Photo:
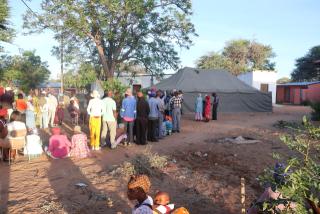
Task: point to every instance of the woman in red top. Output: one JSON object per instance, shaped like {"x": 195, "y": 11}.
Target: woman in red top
{"x": 207, "y": 108}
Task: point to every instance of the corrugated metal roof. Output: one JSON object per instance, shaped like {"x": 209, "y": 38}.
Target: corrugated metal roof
{"x": 299, "y": 83}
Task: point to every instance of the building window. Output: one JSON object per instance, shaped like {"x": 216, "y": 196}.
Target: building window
{"x": 264, "y": 88}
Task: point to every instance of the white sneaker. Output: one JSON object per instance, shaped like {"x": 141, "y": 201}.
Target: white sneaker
{"x": 97, "y": 148}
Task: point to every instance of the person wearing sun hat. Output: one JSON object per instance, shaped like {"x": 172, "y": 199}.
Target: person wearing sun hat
{"x": 95, "y": 111}
{"x": 138, "y": 189}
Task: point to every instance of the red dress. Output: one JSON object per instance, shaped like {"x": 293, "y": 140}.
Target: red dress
{"x": 207, "y": 108}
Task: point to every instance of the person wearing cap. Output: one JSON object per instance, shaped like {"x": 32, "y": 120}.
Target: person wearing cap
{"x": 138, "y": 189}
{"x": 153, "y": 118}
{"x": 109, "y": 122}
{"x": 128, "y": 113}
{"x": 79, "y": 146}
{"x": 95, "y": 111}
{"x": 143, "y": 111}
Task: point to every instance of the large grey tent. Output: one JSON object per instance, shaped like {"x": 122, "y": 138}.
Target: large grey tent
{"x": 235, "y": 96}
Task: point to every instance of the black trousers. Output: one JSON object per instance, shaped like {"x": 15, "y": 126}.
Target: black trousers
{"x": 214, "y": 112}
{"x": 141, "y": 125}
{"x": 152, "y": 129}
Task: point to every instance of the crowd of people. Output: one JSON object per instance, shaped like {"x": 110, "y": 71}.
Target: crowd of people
{"x": 140, "y": 118}
{"x": 144, "y": 119}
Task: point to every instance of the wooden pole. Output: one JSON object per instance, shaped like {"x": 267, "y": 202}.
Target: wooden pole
{"x": 61, "y": 62}
{"x": 243, "y": 196}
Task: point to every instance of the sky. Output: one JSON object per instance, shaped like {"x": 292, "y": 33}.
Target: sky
{"x": 291, "y": 27}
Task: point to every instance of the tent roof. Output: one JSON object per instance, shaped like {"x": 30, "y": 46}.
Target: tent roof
{"x": 200, "y": 80}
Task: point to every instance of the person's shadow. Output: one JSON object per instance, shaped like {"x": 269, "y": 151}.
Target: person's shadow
{"x": 4, "y": 187}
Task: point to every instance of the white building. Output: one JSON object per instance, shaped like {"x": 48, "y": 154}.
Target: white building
{"x": 265, "y": 81}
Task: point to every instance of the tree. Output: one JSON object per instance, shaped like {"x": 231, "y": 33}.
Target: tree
{"x": 239, "y": 56}
{"x": 27, "y": 70}
{"x": 6, "y": 33}
{"x": 308, "y": 66}
{"x": 83, "y": 77}
{"x": 141, "y": 31}
{"x": 214, "y": 60}
{"x": 283, "y": 80}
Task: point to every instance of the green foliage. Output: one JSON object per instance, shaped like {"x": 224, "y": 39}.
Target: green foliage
{"x": 26, "y": 70}
{"x": 283, "y": 80}
{"x": 308, "y": 66}
{"x": 239, "y": 56}
{"x": 116, "y": 87}
{"x": 82, "y": 78}
{"x": 315, "y": 114}
{"x": 301, "y": 176}
{"x": 144, "y": 32}
{"x": 6, "y": 33}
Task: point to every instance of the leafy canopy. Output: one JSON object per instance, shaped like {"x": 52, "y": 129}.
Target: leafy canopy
{"x": 6, "y": 33}
{"x": 308, "y": 66}
{"x": 143, "y": 32}
{"x": 239, "y": 56}
{"x": 26, "y": 70}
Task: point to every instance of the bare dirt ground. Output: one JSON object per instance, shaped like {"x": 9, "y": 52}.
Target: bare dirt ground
{"x": 203, "y": 174}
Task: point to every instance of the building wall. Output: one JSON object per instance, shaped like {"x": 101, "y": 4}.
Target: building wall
{"x": 256, "y": 78}
{"x": 280, "y": 94}
{"x": 312, "y": 94}
{"x": 298, "y": 94}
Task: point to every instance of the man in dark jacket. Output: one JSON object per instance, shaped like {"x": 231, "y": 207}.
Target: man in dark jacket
{"x": 143, "y": 111}
{"x": 215, "y": 103}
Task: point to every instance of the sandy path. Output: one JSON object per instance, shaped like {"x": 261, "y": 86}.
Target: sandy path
{"x": 25, "y": 187}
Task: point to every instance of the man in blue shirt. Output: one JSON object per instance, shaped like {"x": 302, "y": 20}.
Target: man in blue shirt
{"x": 153, "y": 119}
{"x": 128, "y": 113}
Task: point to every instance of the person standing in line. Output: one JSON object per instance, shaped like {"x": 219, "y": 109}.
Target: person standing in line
{"x": 207, "y": 109}
{"x": 161, "y": 114}
{"x": 176, "y": 103}
{"x": 94, "y": 110}
{"x": 30, "y": 116}
{"x": 143, "y": 111}
{"x": 128, "y": 114}
{"x": 52, "y": 104}
{"x": 44, "y": 111}
{"x": 215, "y": 104}
{"x": 109, "y": 119}
{"x": 153, "y": 118}
{"x": 198, "y": 108}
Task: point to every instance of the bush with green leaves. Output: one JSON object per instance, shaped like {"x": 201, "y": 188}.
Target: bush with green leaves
{"x": 315, "y": 115}
{"x": 298, "y": 177}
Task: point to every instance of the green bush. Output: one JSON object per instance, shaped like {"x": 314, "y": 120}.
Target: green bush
{"x": 315, "y": 115}
{"x": 298, "y": 177}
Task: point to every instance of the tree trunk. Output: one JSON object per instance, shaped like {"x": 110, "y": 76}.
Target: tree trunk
{"x": 102, "y": 56}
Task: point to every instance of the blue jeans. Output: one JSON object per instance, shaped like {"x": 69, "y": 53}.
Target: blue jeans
{"x": 176, "y": 117}
{"x": 129, "y": 129}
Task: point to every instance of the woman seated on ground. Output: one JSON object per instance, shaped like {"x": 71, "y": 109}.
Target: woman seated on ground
{"x": 33, "y": 146}
{"x": 79, "y": 144}
{"x": 59, "y": 145}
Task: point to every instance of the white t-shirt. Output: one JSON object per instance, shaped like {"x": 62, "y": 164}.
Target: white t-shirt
{"x": 95, "y": 107}
{"x": 52, "y": 102}
{"x": 14, "y": 126}
{"x": 143, "y": 208}
{"x": 109, "y": 105}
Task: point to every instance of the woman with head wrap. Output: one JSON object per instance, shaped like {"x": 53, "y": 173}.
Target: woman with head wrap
{"x": 138, "y": 189}
{"x": 207, "y": 108}
{"x": 198, "y": 108}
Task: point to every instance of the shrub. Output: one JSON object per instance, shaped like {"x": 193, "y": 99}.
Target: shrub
{"x": 298, "y": 179}
{"x": 315, "y": 115}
